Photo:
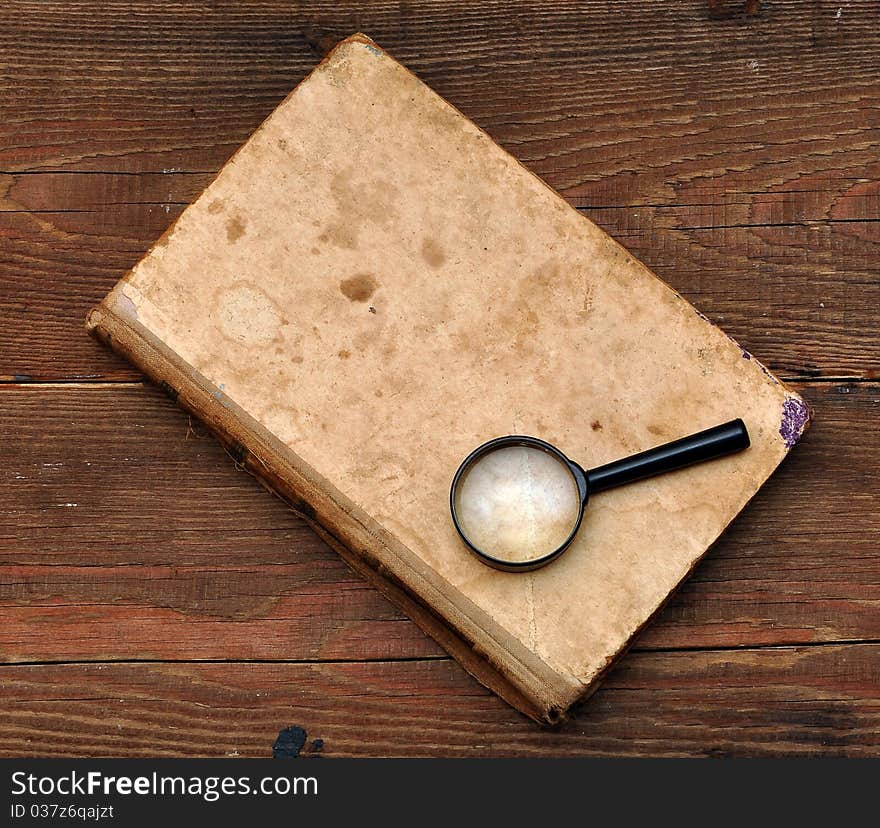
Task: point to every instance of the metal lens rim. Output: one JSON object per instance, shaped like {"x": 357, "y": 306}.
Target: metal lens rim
{"x": 576, "y": 471}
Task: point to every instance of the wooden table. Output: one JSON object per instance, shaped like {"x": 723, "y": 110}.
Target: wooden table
{"x": 154, "y": 600}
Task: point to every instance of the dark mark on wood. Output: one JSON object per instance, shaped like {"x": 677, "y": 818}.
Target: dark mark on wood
{"x": 322, "y": 42}
{"x": 727, "y": 9}
{"x": 289, "y": 743}
{"x": 169, "y": 389}
{"x": 302, "y": 508}
{"x": 238, "y": 453}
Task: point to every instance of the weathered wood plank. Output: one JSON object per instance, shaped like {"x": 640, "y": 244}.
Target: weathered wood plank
{"x": 269, "y": 612}
{"x": 96, "y": 87}
{"x": 127, "y": 532}
{"x": 786, "y": 701}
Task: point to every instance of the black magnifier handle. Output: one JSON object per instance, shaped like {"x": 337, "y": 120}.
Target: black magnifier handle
{"x": 706, "y": 445}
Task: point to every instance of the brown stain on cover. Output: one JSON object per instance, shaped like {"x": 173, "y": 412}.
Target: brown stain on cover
{"x": 433, "y": 253}
{"x": 235, "y": 228}
{"x": 361, "y": 203}
{"x": 359, "y": 288}
{"x": 340, "y": 234}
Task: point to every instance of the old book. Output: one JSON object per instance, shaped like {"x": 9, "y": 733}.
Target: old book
{"x": 369, "y": 289}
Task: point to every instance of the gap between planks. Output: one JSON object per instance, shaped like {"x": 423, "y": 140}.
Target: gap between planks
{"x": 678, "y": 228}
{"x": 841, "y": 642}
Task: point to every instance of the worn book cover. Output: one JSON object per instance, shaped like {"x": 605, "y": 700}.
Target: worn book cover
{"x": 369, "y": 289}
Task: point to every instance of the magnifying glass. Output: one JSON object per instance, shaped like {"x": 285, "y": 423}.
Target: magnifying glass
{"x": 518, "y": 502}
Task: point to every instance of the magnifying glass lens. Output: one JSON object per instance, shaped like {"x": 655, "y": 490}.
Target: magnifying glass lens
{"x": 517, "y": 503}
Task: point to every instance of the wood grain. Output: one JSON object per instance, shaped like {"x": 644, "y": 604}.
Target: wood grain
{"x": 178, "y": 85}
{"x": 786, "y": 701}
{"x": 126, "y": 532}
{"x": 731, "y": 146}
